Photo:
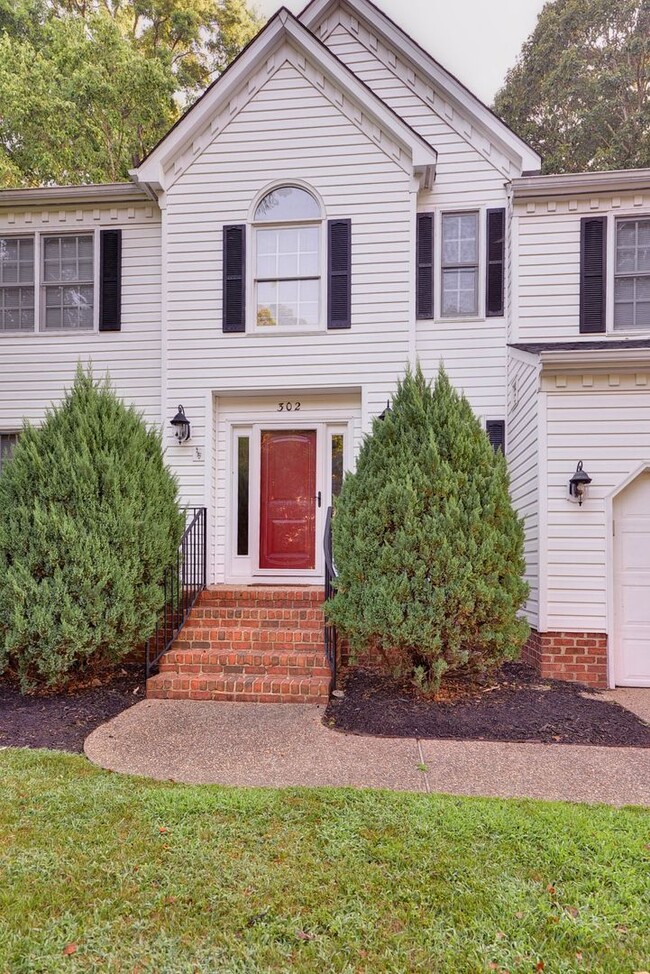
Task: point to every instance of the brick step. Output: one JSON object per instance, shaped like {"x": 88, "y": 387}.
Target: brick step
{"x": 262, "y": 618}
{"x": 278, "y": 597}
{"x": 195, "y": 638}
{"x": 245, "y": 689}
{"x": 299, "y": 664}
{"x": 194, "y": 633}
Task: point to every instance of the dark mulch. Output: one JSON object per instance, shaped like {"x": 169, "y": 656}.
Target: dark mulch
{"x": 516, "y": 705}
{"x": 63, "y": 721}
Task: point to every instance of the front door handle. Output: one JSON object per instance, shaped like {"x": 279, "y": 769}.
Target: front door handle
{"x": 319, "y": 498}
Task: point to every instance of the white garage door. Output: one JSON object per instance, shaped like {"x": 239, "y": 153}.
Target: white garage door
{"x": 632, "y": 584}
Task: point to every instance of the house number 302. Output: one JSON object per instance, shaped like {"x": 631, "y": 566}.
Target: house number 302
{"x": 289, "y": 407}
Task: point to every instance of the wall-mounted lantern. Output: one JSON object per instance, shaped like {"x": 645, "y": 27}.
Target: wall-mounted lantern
{"x": 181, "y": 425}
{"x": 579, "y": 484}
{"x": 387, "y": 411}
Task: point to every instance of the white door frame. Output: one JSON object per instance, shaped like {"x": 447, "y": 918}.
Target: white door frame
{"x": 613, "y": 647}
{"x": 246, "y": 570}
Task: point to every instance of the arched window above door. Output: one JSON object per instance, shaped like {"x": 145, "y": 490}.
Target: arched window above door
{"x": 287, "y": 204}
{"x": 288, "y": 259}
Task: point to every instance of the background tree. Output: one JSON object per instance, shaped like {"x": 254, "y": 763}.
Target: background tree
{"x": 87, "y": 88}
{"x": 89, "y": 522}
{"x": 580, "y": 92}
{"x": 427, "y": 545}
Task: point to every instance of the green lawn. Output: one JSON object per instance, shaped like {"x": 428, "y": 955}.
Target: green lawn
{"x": 145, "y": 877}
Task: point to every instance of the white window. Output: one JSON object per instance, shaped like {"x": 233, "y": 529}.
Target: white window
{"x": 632, "y": 274}
{"x": 48, "y": 282}
{"x": 288, "y": 234}
{"x": 68, "y": 282}
{"x": 7, "y": 443}
{"x": 460, "y": 264}
{"x": 16, "y": 284}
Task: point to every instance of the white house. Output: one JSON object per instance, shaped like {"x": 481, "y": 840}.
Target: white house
{"x": 335, "y": 206}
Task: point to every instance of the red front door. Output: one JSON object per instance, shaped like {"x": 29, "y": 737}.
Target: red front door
{"x": 288, "y": 500}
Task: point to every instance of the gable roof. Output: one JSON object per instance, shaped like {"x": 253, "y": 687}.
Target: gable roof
{"x": 462, "y": 99}
{"x": 283, "y": 27}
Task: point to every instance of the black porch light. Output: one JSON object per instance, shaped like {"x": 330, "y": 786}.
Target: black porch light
{"x": 386, "y": 412}
{"x": 579, "y": 483}
{"x": 181, "y": 425}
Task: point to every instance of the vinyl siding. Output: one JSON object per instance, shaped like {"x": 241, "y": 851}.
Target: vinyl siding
{"x": 523, "y": 464}
{"x": 35, "y": 369}
{"x": 608, "y": 428}
{"x": 548, "y": 287}
{"x": 473, "y": 351}
{"x": 355, "y": 179}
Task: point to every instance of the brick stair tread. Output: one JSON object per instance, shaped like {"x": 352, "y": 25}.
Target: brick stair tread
{"x": 255, "y": 619}
{"x": 246, "y": 688}
{"x": 280, "y": 597}
{"x": 258, "y": 639}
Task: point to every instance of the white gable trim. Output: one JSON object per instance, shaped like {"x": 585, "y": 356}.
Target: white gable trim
{"x": 427, "y": 77}
{"x": 260, "y": 60}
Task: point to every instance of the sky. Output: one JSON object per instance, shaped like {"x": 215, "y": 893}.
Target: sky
{"x": 477, "y": 40}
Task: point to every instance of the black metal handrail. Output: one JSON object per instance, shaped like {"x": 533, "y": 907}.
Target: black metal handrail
{"x": 183, "y": 583}
{"x": 331, "y": 635}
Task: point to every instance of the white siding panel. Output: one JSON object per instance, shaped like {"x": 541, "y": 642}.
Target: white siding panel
{"x": 523, "y": 463}
{"x": 35, "y": 369}
{"x": 548, "y": 287}
{"x": 267, "y": 142}
{"x": 473, "y": 352}
{"x": 610, "y": 431}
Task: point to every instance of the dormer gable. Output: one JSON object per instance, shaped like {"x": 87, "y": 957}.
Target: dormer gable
{"x": 429, "y": 80}
{"x": 284, "y": 39}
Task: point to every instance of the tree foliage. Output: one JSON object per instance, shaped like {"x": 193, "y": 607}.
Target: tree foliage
{"x": 427, "y": 545}
{"x": 89, "y": 522}
{"x": 87, "y": 88}
{"x": 580, "y": 92}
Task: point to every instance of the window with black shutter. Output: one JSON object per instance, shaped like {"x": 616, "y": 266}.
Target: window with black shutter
{"x": 424, "y": 263}
{"x": 496, "y": 258}
{"x": 339, "y": 267}
{"x": 234, "y": 279}
{"x": 110, "y": 284}
{"x": 496, "y": 431}
{"x": 593, "y": 270}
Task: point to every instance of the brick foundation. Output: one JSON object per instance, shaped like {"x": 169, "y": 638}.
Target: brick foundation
{"x": 577, "y": 657}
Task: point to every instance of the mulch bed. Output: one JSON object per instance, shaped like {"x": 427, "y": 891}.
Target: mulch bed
{"x": 62, "y": 722}
{"x": 516, "y": 705}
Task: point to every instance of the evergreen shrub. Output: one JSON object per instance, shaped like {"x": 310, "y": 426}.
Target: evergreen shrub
{"x": 428, "y": 547}
{"x": 89, "y": 522}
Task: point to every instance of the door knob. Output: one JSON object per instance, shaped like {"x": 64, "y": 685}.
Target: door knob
{"x": 319, "y": 498}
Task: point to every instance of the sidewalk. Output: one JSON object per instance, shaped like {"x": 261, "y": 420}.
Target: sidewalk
{"x": 270, "y": 745}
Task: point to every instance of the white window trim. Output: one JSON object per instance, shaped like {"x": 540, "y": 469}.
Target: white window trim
{"x": 251, "y": 285}
{"x": 437, "y": 296}
{"x": 252, "y": 225}
{"x": 39, "y": 284}
{"x": 610, "y": 274}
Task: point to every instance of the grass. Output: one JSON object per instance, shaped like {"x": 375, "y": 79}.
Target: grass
{"x": 146, "y": 877}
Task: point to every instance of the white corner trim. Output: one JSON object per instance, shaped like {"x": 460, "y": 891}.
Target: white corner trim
{"x": 542, "y": 501}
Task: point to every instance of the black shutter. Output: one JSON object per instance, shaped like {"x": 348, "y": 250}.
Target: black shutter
{"x": 110, "y": 280}
{"x": 593, "y": 269}
{"x": 496, "y": 431}
{"x": 339, "y": 274}
{"x": 424, "y": 264}
{"x": 234, "y": 278}
{"x": 496, "y": 262}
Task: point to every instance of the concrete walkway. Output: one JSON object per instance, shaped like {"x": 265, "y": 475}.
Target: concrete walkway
{"x": 270, "y": 745}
